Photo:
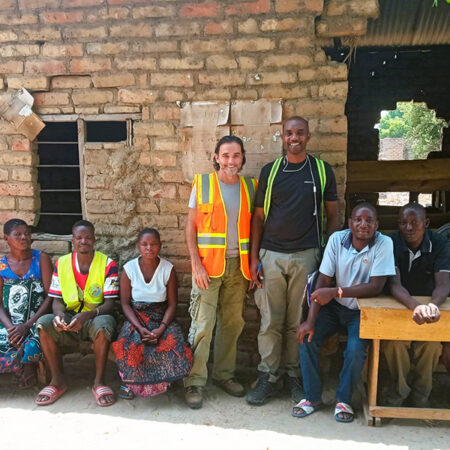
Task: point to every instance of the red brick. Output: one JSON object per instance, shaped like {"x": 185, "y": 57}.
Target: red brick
{"x": 80, "y": 3}
{"x": 172, "y": 79}
{"x": 137, "y": 96}
{"x": 143, "y": 29}
{"x": 153, "y": 11}
{"x": 34, "y": 83}
{"x": 11, "y": 67}
{"x": 8, "y": 36}
{"x": 7, "y": 4}
{"x": 21, "y": 145}
{"x": 41, "y": 34}
{"x": 84, "y": 32}
{"x": 51, "y": 98}
{"x": 21, "y": 189}
{"x": 166, "y": 113}
{"x": 35, "y": 4}
{"x": 12, "y": 50}
{"x": 24, "y": 19}
{"x": 284, "y": 6}
{"x": 71, "y": 82}
{"x": 119, "y": 2}
{"x": 113, "y": 80}
{"x": 200, "y": 10}
{"x": 58, "y": 51}
{"x": 87, "y": 65}
{"x": 218, "y": 28}
{"x": 62, "y": 17}
{"x": 51, "y": 67}
{"x": 91, "y": 97}
{"x": 258, "y": 7}
{"x": 106, "y": 48}
{"x": 135, "y": 63}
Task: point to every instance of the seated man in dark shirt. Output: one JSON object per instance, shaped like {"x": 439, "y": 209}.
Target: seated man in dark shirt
{"x": 422, "y": 259}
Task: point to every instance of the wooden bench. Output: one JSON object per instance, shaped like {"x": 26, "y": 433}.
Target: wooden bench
{"x": 384, "y": 318}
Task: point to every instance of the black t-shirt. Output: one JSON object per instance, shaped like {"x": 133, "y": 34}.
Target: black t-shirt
{"x": 434, "y": 257}
{"x": 291, "y": 225}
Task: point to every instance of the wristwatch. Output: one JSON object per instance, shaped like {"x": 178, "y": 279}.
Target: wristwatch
{"x": 340, "y": 292}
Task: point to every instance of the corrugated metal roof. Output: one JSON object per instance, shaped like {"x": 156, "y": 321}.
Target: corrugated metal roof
{"x": 408, "y": 22}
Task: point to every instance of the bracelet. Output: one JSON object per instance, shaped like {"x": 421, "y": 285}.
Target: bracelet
{"x": 163, "y": 323}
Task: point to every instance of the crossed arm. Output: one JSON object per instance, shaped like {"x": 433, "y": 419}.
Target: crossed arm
{"x": 422, "y": 313}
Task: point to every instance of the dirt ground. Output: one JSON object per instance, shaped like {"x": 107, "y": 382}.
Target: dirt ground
{"x": 224, "y": 422}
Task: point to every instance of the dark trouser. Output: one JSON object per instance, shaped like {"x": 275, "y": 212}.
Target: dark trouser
{"x": 330, "y": 318}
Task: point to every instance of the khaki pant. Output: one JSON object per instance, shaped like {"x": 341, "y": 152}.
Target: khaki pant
{"x": 415, "y": 360}
{"x": 279, "y": 302}
{"x": 220, "y": 305}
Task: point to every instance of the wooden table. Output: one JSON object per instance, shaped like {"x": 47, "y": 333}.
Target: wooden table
{"x": 384, "y": 318}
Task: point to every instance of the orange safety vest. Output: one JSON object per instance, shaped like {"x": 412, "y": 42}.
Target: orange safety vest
{"x": 211, "y": 222}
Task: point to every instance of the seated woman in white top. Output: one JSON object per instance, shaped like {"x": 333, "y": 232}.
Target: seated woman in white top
{"x": 151, "y": 350}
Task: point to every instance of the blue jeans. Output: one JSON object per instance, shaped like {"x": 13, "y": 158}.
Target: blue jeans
{"x": 330, "y": 318}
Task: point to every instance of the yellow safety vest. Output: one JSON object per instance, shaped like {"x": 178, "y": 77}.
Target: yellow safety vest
{"x": 93, "y": 292}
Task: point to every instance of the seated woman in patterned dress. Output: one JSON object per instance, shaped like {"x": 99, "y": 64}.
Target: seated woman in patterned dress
{"x": 25, "y": 276}
{"x": 151, "y": 351}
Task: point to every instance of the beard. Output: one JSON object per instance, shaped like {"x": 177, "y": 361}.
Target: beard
{"x": 230, "y": 171}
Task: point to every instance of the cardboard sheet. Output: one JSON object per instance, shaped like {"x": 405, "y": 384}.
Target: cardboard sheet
{"x": 16, "y": 108}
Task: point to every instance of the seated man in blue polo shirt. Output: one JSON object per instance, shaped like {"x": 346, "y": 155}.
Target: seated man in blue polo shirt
{"x": 359, "y": 259}
{"x": 422, "y": 260}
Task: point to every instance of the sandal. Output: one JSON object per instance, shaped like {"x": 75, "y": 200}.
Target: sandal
{"x": 101, "y": 391}
{"x": 125, "y": 392}
{"x": 28, "y": 382}
{"x": 52, "y": 392}
{"x": 304, "y": 408}
{"x": 342, "y": 407}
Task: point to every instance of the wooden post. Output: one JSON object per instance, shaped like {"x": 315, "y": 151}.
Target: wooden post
{"x": 373, "y": 372}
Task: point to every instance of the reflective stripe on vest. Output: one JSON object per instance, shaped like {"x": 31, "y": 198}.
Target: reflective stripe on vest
{"x": 323, "y": 181}
{"x": 93, "y": 291}
{"x": 212, "y": 220}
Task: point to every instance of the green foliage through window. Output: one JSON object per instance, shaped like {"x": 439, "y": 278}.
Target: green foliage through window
{"x": 417, "y": 124}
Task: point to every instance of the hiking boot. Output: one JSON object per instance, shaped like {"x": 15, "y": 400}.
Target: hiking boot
{"x": 231, "y": 387}
{"x": 194, "y": 396}
{"x": 263, "y": 390}
{"x": 295, "y": 388}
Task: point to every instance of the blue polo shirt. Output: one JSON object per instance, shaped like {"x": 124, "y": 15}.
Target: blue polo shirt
{"x": 350, "y": 266}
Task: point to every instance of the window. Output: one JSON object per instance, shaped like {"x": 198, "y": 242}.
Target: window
{"x": 60, "y": 178}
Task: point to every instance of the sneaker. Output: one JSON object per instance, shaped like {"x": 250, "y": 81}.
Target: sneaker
{"x": 295, "y": 388}
{"x": 231, "y": 387}
{"x": 262, "y": 391}
{"x": 194, "y": 396}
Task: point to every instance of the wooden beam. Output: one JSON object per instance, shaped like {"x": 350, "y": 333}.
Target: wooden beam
{"x": 89, "y": 117}
{"x": 391, "y": 176}
{"x": 410, "y": 413}
{"x": 81, "y": 126}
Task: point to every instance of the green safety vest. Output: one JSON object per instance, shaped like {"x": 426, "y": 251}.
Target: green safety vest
{"x": 272, "y": 174}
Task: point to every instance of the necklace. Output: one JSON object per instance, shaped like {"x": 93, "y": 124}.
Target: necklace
{"x": 286, "y": 162}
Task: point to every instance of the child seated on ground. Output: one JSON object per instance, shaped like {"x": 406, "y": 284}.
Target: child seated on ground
{"x": 151, "y": 351}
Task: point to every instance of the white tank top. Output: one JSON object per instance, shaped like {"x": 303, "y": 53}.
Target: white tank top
{"x": 156, "y": 290}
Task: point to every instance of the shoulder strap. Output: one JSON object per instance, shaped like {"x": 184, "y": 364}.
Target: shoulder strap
{"x": 323, "y": 181}
{"x": 268, "y": 196}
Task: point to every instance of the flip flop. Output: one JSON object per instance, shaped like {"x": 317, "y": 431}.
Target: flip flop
{"x": 100, "y": 392}
{"x": 342, "y": 407}
{"x": 304, "y": 408}
{"x": 52, "y": 392}
{"x": 125, "y": 392}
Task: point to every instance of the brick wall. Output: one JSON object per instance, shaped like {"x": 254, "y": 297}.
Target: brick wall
{"x": 121, "y": 56}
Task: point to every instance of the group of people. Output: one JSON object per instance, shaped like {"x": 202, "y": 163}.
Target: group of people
{"x": 279, "y": 236}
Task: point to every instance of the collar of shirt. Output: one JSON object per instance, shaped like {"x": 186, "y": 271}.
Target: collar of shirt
{"x": 347, "y": 242}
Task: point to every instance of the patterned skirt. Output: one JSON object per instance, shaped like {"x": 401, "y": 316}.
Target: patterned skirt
{"x": 21, "y": 298}
{"x": 148, "y": 369}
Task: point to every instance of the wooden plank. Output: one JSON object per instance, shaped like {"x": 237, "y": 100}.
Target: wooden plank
{"x": 388, "y": 302}
{"x": 390, "y": 176}
{"x": 410, "y": 413}
{"x": 396, "y": 324}
{"x": 373, "y": 372}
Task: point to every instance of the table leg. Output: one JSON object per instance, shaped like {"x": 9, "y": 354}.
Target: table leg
{"x": 373, "y": 372}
